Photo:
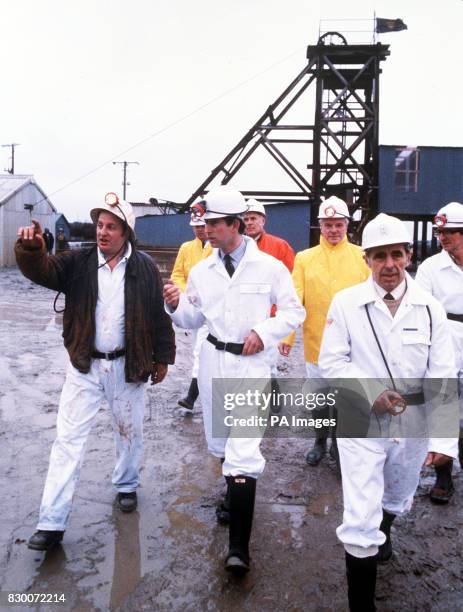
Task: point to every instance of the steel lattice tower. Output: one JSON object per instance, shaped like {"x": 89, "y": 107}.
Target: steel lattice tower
{"x": 340, "y": 146}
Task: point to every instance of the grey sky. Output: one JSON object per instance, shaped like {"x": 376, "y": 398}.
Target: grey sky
{"x": 84, "y": 81}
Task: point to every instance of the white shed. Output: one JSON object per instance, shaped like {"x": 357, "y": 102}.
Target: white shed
{"x": 21, "y": 199}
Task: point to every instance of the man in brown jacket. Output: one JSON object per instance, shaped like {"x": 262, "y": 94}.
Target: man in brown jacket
{"x": 117, "y": 334}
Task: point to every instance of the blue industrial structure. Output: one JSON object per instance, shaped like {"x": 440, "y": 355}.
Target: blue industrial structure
{"x": 289, "y": 221}
{"x": 413, "y": 184}
{"x": 418, "y": 181}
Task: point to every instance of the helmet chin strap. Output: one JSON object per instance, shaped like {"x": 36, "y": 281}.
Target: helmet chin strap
{"x": 124, "y": 246}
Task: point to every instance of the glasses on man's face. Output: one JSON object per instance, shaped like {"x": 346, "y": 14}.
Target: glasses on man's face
{"x": 441, "y": 232}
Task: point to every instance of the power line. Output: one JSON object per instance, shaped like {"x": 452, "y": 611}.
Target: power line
{"x": 173, "y": 123}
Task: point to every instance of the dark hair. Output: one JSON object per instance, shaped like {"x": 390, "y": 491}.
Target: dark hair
{"x": 230, "y": 219}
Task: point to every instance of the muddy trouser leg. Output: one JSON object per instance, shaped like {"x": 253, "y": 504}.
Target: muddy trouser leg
{"x": 362, "y": 462}
{"x": 401, "y": 477}
{"x": 193, "y": 391}
{"x": 127, "y": 404}
{"x": 80, "y": 401}
{"x": 198, "y": 336}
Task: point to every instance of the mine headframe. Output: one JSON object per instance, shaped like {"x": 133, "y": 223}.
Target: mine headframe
{"x": 338, "y": 153}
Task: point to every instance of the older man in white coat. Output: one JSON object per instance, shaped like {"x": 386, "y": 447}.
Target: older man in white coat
{"x": 232, "y": 292}
{"x": 442, "y": 276}
{"x": 387, "y": 333}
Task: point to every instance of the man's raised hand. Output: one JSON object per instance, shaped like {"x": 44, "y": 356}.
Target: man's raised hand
{"x": 31, "y": 235}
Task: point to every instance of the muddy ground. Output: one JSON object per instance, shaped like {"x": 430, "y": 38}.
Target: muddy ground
{"x": 169, "y": 554}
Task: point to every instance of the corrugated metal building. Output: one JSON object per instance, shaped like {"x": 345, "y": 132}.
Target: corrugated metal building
{"x": 17, "y": 194}
{"x": 419, "y": 180}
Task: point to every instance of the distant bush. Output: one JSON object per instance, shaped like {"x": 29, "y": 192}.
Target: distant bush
{"x": 82, "y": 231}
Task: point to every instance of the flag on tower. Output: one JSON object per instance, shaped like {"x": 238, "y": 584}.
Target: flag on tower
{"x": 389, "y": 25}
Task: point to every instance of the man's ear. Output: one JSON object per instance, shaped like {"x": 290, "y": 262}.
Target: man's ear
{"x": 409, "y": 255}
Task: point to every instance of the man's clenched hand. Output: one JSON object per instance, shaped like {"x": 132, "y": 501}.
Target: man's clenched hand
{"x": 31, "y": 235}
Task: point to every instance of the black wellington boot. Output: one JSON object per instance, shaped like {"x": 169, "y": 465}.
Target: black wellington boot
{"x": 361, "y": 583}
{"x": 316, "y": 454}
{"x": 188, "y": 402}
{"x": 442, "y": 490}
{"x": 222, "y": 512}
{"x": 275, "y": 390}
{"x": 385, "y": 550}
{"x": 242, "y": 494}
{"x": 334, "y": 452}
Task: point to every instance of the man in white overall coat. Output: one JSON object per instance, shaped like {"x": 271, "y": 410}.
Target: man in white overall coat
{"x": 232, "y": 291}
{"x": 442, "y": 276}
{"x": 385, "y": 328}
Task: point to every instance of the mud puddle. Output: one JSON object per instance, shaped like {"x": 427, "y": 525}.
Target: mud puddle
{"x": 169, "y": 554}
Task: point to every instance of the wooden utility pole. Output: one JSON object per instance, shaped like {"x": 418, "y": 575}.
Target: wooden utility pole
{"x": 12, "y": 146}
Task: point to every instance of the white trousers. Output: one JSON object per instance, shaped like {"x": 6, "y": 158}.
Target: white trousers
{"x": 377, "y": 473}
{"x": 242, "y": 456}
{"x": 80, "y": 401}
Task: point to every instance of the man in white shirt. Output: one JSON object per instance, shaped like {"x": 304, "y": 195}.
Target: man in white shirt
{"x": 117, "y": 335}
{"x": 442, "y": 276}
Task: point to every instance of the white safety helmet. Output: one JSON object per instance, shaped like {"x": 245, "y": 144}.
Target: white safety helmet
{"x": 384, "y": 230}
{"x": 450, "y": 215}
{"x": 333, "y": 208}
{"x": 224, "y": 201}
{"x": 220, "y": 202}
{"x": 119, "y": 208}
{"x": 255, "y": 206}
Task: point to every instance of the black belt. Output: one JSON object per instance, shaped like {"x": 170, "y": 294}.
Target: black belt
{"x": 455, "y": 317}
{"x": 108, "y": 356}
{"x": 413, "y": 399}
{"x": 230, "y": 347}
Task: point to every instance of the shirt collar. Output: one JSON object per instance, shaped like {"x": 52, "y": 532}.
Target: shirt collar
{"x": 397, "y": 293}
{"x": 236, "y": 254}
{"x": 446, "y": 260}
{"x": 366, "y": 292}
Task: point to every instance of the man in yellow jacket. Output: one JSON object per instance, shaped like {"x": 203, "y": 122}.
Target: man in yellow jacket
{"x": 318, "y": 274}
{"x": 189, "y": 254}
